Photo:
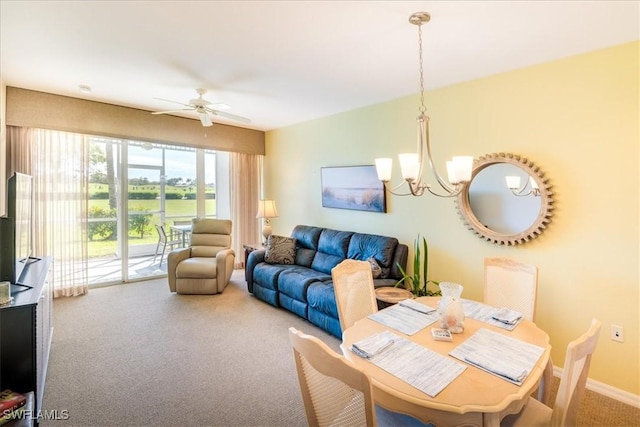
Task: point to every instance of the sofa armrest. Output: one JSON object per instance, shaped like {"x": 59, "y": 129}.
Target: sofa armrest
{"x": 173, "y": 259}
{"x": 255, "y": 258}
{"x": 225, "y": 260}
{"x": 399, "y": 257}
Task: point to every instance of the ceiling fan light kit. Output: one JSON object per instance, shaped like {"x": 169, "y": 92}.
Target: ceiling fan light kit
{"x": 204, "y": 109}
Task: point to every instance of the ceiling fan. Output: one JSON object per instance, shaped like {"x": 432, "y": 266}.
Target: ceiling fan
{"x": 204, "y": 109}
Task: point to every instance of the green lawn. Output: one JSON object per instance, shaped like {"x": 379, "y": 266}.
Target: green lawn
{"x": 174, "y": 210}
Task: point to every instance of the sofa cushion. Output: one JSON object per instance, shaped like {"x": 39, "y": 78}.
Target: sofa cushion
{"x": 307, "y": 243}
{"x": 321, "y": 296}
{"x": 209, "y": 236}
{"x": 294, "y": 282}
{"x": 364, "y": 246}
{"x": 266, "y": 275}
{"x": 197, "y": 268}
{"x": 280, "y": 250}
{"x": 334, "y": 242}
{"x": 332, "y": 249}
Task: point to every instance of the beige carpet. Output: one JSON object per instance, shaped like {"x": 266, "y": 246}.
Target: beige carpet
{"x": 137, "y": 355}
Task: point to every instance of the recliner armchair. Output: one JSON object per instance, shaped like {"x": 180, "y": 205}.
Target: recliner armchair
{"x": 205, "y": 266}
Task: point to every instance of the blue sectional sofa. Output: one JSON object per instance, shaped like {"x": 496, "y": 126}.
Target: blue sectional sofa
{"x": 305, "y": 287}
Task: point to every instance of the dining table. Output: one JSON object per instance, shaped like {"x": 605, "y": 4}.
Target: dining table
{"x": 183, "y": 231}
{"x": 474, "y": 396}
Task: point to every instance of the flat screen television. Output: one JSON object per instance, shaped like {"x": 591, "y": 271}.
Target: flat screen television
{"x": 16, "y": 228}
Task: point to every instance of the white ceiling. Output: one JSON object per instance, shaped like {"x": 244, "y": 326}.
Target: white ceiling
{"x": 284, "y": 62}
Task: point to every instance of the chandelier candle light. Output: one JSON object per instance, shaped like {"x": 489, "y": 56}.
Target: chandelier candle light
{"x": 411, "y": 164}
{"x": 513, "y": 183}
{"x": 267, "y": 210}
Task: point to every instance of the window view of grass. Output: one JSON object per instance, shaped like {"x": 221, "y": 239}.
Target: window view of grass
{"x": 102, "y": 228}
{"x": 143, "y": 195}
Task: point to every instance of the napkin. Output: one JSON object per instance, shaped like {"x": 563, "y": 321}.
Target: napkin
{"x": 372, "y": 345}
{"x": 409, "y": 303}
{"x": 492, "y": 362}
{"x": 507, "y": 316}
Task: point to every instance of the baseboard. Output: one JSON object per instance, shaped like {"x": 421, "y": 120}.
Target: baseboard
{"x": 607, "y": 390}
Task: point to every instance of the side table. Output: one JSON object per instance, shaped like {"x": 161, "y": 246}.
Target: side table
{"x": 388, "y": 296}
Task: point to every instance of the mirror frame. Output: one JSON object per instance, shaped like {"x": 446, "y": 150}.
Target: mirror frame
{"x": 546, "y": 199}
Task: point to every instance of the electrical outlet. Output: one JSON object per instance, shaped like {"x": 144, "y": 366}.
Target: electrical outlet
{"x": 617, "y": 333}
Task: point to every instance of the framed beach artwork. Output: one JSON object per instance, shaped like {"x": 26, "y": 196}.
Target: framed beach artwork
{"x": 353, "y": 187}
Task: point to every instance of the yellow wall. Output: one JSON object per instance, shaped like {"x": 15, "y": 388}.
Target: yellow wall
{"x": 577, "y": 119}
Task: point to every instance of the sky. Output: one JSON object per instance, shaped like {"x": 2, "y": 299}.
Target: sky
{"x": 178, "y": 163}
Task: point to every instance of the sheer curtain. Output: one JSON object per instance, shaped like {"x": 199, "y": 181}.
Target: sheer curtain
{"x": 245, "y": 171}
{"x": 58, "y": 162}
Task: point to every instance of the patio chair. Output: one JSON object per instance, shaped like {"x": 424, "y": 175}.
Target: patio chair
{"x": 163, "y": 242}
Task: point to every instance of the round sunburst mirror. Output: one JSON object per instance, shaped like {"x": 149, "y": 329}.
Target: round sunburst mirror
{"x": 502, "y": 215}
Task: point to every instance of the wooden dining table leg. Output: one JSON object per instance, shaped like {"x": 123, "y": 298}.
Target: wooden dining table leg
{"x": 544, "y": 388}
{"x": 491, "y": 419}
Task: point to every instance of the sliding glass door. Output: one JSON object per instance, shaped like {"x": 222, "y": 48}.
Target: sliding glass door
{"x": 144, "y": 210}
{"x": 138, "y": 191}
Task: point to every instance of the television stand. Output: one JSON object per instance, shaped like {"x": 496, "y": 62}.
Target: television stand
{"x": 26, "y": 326}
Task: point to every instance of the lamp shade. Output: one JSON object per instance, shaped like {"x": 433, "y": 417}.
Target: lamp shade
{"x": 383, "y": 168}
{"x": 267, "y": 209}
{"x": 513, "y": 182}
{"x": 409, "y": 166}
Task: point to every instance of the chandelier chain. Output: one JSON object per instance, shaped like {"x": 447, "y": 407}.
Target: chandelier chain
{"x": 422, "y": 108}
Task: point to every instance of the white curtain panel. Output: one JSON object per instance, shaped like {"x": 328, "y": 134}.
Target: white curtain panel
{"x": 58, "y": 162}
{"x": 245, "y": 175}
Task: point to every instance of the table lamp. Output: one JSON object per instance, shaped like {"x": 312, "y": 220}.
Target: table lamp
{"x": 267, "y": 210}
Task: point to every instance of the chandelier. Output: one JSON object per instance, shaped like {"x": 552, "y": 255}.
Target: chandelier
{"x": 412, "y": 164}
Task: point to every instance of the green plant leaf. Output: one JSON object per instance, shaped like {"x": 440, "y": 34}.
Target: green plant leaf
{"x": 425, "y": 264}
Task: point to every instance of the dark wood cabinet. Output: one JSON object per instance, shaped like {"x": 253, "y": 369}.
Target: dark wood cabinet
{"x": 26, "y": 326}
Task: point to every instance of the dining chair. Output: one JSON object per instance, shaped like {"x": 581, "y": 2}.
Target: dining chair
{"x": 511, "y": 284}
{"x": 163, "y": 242}
{"x": 354, "y": 291}
{"x": 514, "y": 284}
{"x": 570, "y": 391}
{"x": 334, "y": 391}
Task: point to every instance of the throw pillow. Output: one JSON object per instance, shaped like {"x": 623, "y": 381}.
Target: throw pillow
{"x": 280, "y": 250}
{"x": 376, "y": 270}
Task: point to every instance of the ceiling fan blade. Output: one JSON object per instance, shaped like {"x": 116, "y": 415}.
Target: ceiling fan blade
{"x": 230, "y": 116}
{"x": 205, "y": 119}
{"x": 172, "y": 111}
{"x": 218, "y": 107}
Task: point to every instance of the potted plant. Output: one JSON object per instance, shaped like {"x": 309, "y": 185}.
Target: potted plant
{"x": 418, "y": 282}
